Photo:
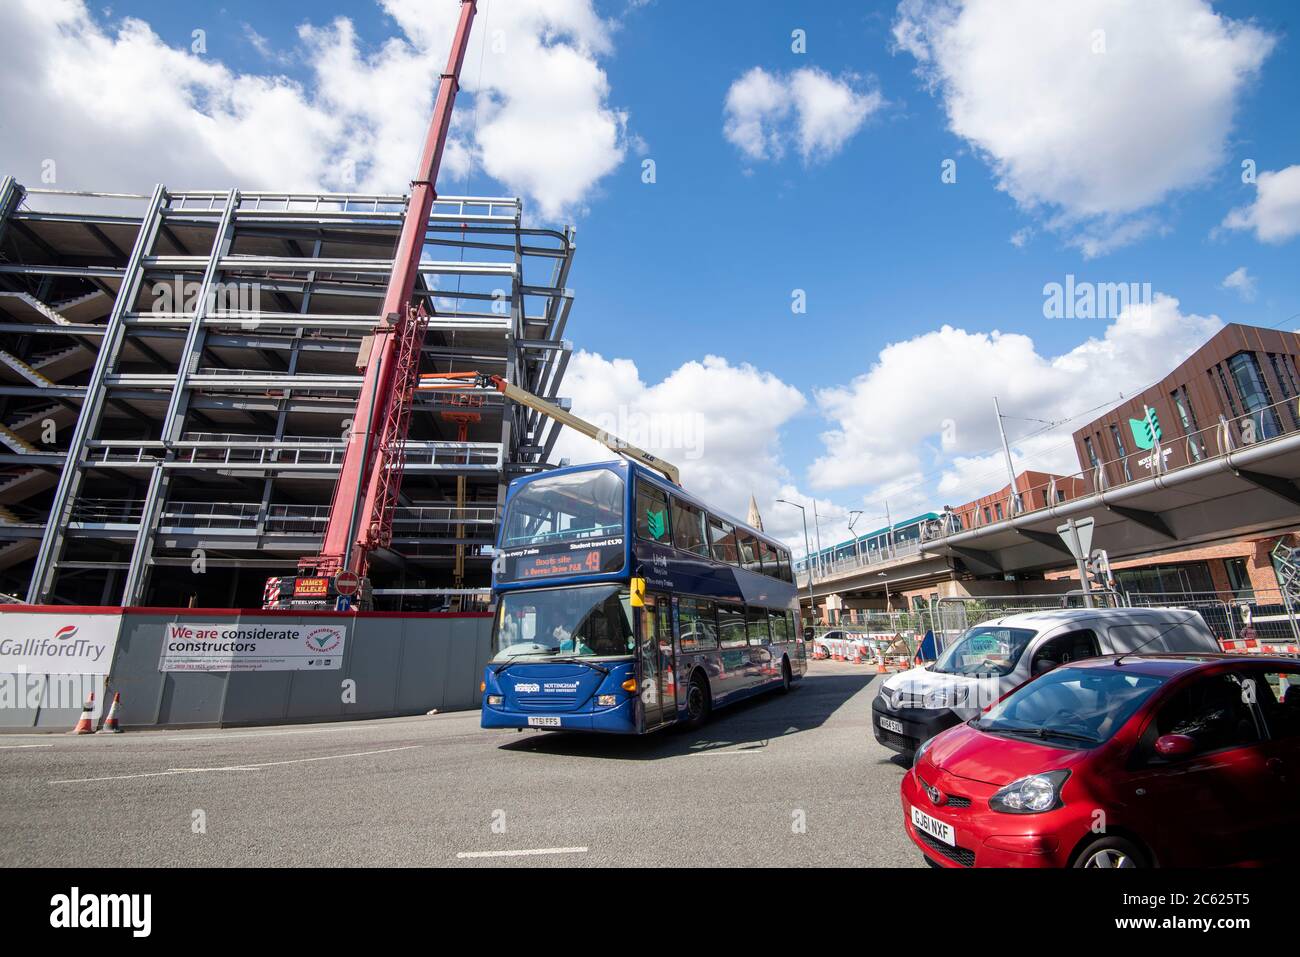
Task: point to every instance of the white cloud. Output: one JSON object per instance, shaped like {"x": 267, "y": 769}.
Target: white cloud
{"x": 1241, "y": 282}
{"x": 118, "y": 109}
{"x": 889, "y": 424}
{"x": 1275, "y": 214}
{"x": 718, "y": 422}
{"x": 765, "y": 113}
{"x": 1093, "y": 111}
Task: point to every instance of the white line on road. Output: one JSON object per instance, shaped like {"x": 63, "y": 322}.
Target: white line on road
{"x": 227, "y": 735}
{"x": 15, "y": 747}
{"x": 234, "y": 767}
{"x": 524, "y": 853}
{"x": 709, "y": 754}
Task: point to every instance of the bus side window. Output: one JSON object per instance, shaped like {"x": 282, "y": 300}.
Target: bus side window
{"x": 783, "y": 557}
{"x": 758, "y": 633}
{"x": 722, "y": 538}
{"x": 768, "y": 554}
{"x": 779, "y": 634}
{"x": 688, "y": 529}
{"x": 652, "y": 514}
{"x": 687, "y": 625}
{"x": 707, "y": 624}
{"x": 749, "y": 554}
{"x": 731, "y": 626}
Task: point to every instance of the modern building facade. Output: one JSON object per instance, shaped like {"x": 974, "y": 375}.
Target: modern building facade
{"x": 178, "y": 372}
{"x": 1242, "y": 386}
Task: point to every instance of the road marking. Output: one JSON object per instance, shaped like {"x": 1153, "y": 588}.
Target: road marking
{"x": 233, "y": 767}
{"x": 524, "y": 853}
{"x": 707, "y": 754}
{"x": 14, "y": 747}
{"x": 256, "y": 734}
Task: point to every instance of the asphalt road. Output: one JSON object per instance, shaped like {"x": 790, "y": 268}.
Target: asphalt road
{"x": 782, "y": 780}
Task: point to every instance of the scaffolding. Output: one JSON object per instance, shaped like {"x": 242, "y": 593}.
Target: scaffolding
{"x": 178, "y": 373}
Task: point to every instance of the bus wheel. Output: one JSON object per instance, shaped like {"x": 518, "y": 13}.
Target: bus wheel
{"x": 698, "y": 701}
{"x": 786, "y": 678}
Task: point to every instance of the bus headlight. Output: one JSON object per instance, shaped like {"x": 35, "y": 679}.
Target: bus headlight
{"x": 606, "y": 700}
{"x": 494, "y": 699}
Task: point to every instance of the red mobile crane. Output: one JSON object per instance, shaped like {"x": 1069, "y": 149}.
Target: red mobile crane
{"x": 361, "y": 513}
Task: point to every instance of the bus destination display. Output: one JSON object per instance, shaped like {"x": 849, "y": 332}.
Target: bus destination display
{"x": 586, "y": 559}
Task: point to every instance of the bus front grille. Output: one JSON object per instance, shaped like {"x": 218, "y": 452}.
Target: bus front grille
{"x": 546, "y": 702}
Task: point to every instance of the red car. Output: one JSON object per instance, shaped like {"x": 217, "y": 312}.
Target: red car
{"x": 1122, "y": 761}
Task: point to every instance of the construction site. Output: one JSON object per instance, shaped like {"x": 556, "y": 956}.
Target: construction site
{"x": 195, "y": 382}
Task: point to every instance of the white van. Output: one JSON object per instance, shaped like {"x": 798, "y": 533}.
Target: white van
{"x": 991, "y": 658}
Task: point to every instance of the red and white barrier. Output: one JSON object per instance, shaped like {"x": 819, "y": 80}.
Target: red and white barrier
{"x": 1253, "y": 646}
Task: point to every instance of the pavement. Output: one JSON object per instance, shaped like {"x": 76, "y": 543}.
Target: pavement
{"x": 789, "y": 780}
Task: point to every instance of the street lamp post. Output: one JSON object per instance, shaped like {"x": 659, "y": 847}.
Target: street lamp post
{"x": 807, "y": 551}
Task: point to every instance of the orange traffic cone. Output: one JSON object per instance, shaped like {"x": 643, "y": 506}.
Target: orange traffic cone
{"x": 110, "y": 723}
{"x": 86, "y": 725}
{"x": 880, "y": 666}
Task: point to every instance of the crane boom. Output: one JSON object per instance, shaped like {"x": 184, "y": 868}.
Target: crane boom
{"x": 360, "y": 517}
{"x": 479, "y": 380}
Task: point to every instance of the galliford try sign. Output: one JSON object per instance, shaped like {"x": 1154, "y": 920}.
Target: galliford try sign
{"x": 58, "y": 644}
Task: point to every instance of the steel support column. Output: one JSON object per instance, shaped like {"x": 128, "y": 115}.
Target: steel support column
{"x": 177, "y": 404}
{"x": 65, "y": 493}
{"x": 11, "y": 194}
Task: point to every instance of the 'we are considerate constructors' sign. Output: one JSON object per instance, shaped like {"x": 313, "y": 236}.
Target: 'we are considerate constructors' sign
{"x": 263, "y": 646}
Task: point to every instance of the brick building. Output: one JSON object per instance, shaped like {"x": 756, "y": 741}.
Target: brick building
{"x": 1033, "y": 490}
{"x": 1240, "y": 387}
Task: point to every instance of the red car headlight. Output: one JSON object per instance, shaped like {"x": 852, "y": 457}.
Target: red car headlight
{"x": 1032, "y": 794}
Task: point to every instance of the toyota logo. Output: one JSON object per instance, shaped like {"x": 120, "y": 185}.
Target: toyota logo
{"x": 937, "y": 797}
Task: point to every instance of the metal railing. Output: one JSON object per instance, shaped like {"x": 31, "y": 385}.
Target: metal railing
{"x": 1203, "y": 445}
{"x": 218, "y": 449}
{"x": 413, "y": 521}
{"x": 1166, "y": 456}
{"x": 867, "y": 559}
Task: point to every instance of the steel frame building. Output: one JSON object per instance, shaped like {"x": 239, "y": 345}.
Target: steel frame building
{"x": 178, "y": 372}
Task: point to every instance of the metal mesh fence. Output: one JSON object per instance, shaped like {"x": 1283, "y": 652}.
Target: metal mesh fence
{"x": 1258, "y": 614}
{"x": 949, "y": 617}
{"x": 1261, "y": 614}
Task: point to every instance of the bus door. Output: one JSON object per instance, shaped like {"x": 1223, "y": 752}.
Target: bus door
{"x": 657, "y": 661}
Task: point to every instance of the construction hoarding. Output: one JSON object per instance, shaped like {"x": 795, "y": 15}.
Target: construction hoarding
{"x": 178, "y": 667}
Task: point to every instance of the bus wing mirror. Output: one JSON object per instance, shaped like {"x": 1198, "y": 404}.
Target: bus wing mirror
{"x": 638, "y": 592}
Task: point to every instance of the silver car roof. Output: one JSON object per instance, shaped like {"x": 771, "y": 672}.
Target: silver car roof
{"x": 1051, "y": 617}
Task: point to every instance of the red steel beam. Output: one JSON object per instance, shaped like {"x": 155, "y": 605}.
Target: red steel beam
{"x": 348, "y": 535}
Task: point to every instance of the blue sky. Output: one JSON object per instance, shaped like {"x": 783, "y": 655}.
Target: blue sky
{"x": 705, "y": 260}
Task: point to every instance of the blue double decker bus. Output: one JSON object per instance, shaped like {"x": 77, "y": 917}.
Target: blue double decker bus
{"x": 626, "y": 605}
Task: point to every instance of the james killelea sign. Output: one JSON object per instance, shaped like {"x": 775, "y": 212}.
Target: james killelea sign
{"x": 266, "y": 646}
